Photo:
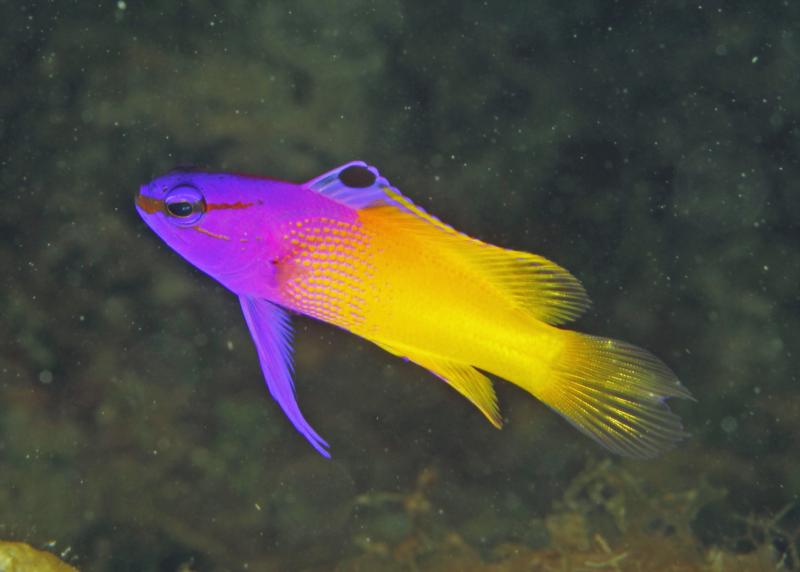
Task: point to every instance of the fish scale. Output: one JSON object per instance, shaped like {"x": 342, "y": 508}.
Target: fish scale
{"x": 326, "y": 261}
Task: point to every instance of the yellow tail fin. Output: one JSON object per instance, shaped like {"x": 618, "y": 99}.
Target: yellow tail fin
{"x": 615, "y": 393}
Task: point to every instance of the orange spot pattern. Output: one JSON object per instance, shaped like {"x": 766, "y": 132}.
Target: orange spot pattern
{"x": 329, "y": 267}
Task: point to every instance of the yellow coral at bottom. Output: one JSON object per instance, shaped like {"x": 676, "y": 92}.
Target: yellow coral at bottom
{"x": 21, "y": 557}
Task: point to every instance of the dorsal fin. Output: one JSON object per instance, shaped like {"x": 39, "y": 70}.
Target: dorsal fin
{"x": 359, "y": 186}
{"x": 546, "y": 290}
{"x": 531, "y": 282}
{"x": 353, "y": 184}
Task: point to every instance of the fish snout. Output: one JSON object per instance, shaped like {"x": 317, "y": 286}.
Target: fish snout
{"x": 146, "y": 204}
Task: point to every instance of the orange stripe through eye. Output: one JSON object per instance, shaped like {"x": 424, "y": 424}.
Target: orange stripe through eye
{"x": 236, "y": 205}
{"x": 148, "y": 204}
{"x": 151, "y": 205}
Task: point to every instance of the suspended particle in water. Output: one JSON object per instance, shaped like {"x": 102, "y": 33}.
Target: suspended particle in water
{"x": 729, "y": 425}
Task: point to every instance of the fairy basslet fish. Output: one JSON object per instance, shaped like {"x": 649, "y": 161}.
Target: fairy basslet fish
{"x": 349, "y": 249}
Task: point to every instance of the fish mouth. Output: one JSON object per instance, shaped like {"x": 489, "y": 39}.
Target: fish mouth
{"x": 147, "y": 204}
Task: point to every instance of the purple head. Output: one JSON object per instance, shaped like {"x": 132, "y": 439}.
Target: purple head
{"x": 223, "y": 224}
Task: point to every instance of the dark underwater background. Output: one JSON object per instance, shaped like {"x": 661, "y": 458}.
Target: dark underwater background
{"x": 649, "y": 147}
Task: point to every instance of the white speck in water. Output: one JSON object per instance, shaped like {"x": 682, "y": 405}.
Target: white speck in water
{"x": 229, "y": 345}
{"x": 729, "y": 425}
{"x": 121, "y": 5}
{"x": 46, "y": 376}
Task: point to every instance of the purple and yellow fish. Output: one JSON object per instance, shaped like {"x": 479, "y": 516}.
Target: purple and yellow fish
{"x": 348, "y": 249}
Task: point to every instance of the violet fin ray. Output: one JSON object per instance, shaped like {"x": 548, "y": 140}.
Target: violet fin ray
{"x": 271, "y": 330}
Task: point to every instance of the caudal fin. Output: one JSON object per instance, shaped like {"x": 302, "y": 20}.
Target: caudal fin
{"x": 615, "y": 393}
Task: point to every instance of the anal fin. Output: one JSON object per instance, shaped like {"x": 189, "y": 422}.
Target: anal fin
{"x": 465, "y": 379}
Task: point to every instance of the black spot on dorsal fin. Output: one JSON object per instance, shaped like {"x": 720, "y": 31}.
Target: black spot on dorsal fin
{"x": 357, "y": 177}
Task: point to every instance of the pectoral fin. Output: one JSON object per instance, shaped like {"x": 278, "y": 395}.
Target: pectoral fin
{"x": 272, "y": 333}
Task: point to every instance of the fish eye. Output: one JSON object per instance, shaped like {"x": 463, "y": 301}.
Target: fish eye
{"x": 181, "y": 209}
{"x": 185, "y": 205}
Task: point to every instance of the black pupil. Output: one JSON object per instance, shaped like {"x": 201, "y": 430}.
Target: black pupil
{"x": 181, "y": 209}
